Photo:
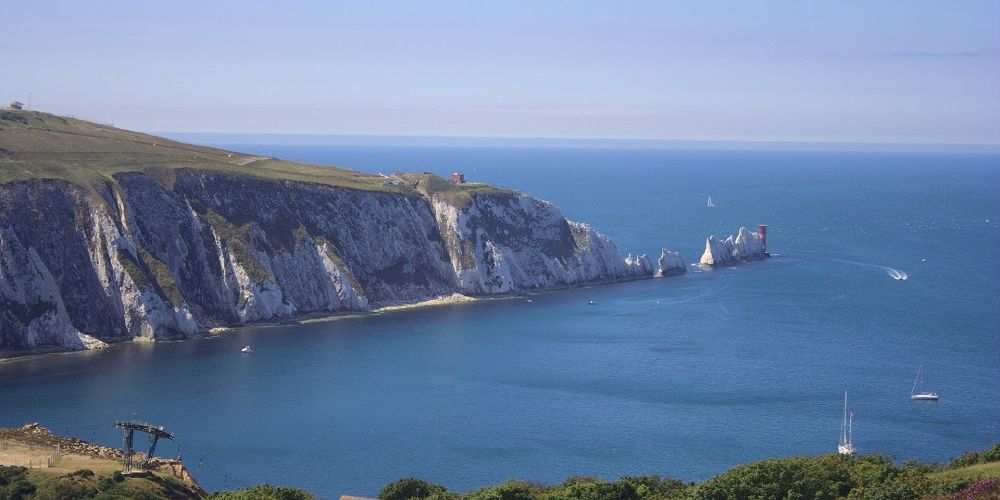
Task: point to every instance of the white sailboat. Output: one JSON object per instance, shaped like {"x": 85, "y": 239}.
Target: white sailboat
{"x": 247, "y": 349}
{"x": 921, "y": 396}
{"x": 709, "y": 203}
{"x": 846, "y": 446}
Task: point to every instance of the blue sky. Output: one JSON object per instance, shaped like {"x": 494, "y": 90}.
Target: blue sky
{"x": 845, "y": 71}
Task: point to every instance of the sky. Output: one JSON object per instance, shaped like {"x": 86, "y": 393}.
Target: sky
{"x": 923, "y": 72}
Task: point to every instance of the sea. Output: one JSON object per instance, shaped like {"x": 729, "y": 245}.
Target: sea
{"x": 883, "y": 264}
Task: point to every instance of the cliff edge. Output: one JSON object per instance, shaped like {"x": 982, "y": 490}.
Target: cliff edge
{"x": 109, "y": 235}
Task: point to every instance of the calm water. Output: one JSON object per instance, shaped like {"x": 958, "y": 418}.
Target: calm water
{"x": 684, "y": 376}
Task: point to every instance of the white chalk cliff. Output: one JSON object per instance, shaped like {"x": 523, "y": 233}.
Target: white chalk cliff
{"x": 144, "y": 260}
{"x": 741, "y": 247}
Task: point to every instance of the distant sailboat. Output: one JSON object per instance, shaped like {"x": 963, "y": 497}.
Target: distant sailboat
{"x": 921, "y": 396}
{"x": 247, "y": 349}
{"x": 846, "y": 446}
{"x": 709, "y": 203}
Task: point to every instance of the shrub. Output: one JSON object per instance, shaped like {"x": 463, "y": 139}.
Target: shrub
{"x": 405, "y": 489}
{"x": 977, "y": 457}
{"x": 511, "y": 490}
{"x": 264, "y": 492}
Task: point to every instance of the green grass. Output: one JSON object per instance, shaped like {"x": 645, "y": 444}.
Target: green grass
{"x": 19, "y": 482}
{"x": 968, "y": 473}
{"x": 36, "y": 145}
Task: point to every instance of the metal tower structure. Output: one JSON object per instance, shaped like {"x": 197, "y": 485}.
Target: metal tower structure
{"x": 128, "y": 452}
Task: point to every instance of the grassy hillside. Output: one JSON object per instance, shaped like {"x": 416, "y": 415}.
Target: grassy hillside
{"x": 969, "y": 473}
{"x": 21, "y": 482}
{"x": 37, "y": 145}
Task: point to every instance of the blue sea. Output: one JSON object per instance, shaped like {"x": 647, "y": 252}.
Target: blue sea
{"x": 684, "y": 376}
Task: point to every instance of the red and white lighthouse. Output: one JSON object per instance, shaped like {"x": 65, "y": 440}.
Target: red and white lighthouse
{"x": 762, "y": 232}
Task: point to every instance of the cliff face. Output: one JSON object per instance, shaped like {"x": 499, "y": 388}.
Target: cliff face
{"x": 508, "y": 242}
{"x": 149, "y": 257}
{"x": 108, "y": 234}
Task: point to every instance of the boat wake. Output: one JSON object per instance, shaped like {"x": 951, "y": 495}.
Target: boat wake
{"x": 896, "y": 274}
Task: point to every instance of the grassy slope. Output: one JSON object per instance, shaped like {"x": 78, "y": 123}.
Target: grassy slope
{"x": 976, "y": 472}
{"x": 79, "y": 482}
{"x": 36, "y": 145}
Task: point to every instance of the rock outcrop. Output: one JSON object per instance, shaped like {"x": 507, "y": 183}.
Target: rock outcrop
{"x": 741, "y": 247}
{"x": 670, "y": 263}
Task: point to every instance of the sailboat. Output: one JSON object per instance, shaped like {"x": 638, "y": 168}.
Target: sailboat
{"x": 921, "y": 396}
{"x": 709, "y": 203}
{"x": 846, "y": 446}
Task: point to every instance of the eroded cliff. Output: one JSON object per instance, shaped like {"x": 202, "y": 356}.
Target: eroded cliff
{"x": 156, "y": 240}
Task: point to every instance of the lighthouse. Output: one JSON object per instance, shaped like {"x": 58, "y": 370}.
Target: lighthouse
{"x": 762, "y": 233}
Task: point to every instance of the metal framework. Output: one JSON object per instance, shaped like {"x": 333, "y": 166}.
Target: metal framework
{"x": 128, "y": 452}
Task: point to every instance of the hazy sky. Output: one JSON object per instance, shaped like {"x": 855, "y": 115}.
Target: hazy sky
{"x": 894, "y": 71}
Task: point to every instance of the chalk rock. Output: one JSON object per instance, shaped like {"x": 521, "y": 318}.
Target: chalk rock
{"x": 741, "y": 247}
{"x": 670, "y": 263}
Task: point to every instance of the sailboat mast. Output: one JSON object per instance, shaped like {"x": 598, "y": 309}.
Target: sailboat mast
{"x": 850, "y": 430}
{"x": 843, "y": 425}
{"x": 916, "y": 381}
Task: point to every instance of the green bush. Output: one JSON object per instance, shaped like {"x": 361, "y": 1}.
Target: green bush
{"x": 14, "y": 484}
{"x": 263, "y": 492}
{"x": 511, "y": 490}
{"x": 405, "y": 489}
{"x": 977, "y": 457}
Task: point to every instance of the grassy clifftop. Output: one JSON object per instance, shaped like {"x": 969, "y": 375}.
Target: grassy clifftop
{"x": 38, "y": 145}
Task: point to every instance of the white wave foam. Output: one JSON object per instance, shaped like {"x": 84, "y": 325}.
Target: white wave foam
{"x": 896, "y": 274}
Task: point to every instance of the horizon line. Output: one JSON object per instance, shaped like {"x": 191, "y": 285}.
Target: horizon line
{"x": 309, "y": 139}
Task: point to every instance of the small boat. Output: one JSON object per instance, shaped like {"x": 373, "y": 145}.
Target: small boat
{"x": 921, "y": 396}
{"x": 247, "y": 348}
{"x": 591, "y": 303}
{"x": 846, "y": 445}
{"x": 709, "y": 203}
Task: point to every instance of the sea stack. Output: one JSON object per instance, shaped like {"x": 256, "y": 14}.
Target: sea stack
{"x": 670, "y": 263}
{"x": 741, "y": 247}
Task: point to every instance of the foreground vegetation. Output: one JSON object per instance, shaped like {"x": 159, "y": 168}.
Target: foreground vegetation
{"x": 20, "y": 483}
{"x": 973, "y": 475}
